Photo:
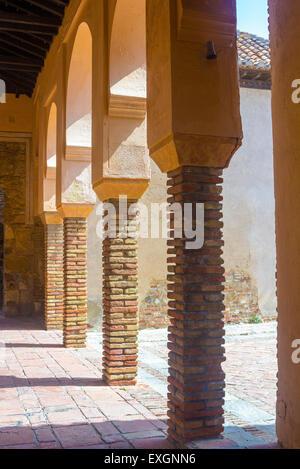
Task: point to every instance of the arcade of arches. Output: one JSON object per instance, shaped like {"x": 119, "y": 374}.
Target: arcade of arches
{"x": 83, "y": 133}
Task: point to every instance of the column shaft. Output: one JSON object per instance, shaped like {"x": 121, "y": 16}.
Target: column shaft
{"x": 54, "y": 281}
{"x": 75, "y": 277}
{"x": 196, "y": 379}
{"x": 120, "y": 305}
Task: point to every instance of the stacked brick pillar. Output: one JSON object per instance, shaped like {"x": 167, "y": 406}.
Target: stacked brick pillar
{"x": 54, "y": 281}
{"x": 75, "y": 281}
{"x": 196, "y": 379}
{"x": 120, "y": 301}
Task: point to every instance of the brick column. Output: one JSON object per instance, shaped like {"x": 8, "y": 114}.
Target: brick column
{"x": 196, "y": 379}
{"x": 75, "y": 279}
{"x": 120, "y": 305}
{"x": 54, "y": 281}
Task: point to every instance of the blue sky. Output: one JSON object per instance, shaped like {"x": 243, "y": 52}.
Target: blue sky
{"x": 253, "y": 17}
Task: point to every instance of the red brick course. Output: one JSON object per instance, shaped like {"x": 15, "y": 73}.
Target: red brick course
{"x": 75, "y": 282}
{"x": 196, "y": 379}
{"x": 120, "y": 306}
{"x": 54, "y": 281}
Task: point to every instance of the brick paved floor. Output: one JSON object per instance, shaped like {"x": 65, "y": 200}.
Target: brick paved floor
{"x": 51, "y": 397}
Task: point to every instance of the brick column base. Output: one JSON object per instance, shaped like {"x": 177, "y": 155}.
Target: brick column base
{"x": 75, "y": 277}
{"x": 120, "y": 305}
{"x": 54, "y": 277}
{"x": 196, "y": 380}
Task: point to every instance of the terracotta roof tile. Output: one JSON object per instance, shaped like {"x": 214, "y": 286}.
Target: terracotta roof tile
{"x": 253, "y": 51}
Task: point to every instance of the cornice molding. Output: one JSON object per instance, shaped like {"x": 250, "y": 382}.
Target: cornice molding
{"x": 76, "y": 153}
{"x": 66, "y": 210}
{"x": 51, "y": 173}
{"x": 112, "y": 188}
{"x": 51, "y": 218}
{"x": 130, "y": 107}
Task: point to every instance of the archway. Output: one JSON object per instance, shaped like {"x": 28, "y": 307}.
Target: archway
{"x": 79, "y": 91}
{"x": 50, "y": 163}
{"x": 76, "y": 184}
{"x": 77, "y": 197}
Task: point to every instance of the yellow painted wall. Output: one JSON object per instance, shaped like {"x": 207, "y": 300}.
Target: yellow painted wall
{"x": 16, "y": 115}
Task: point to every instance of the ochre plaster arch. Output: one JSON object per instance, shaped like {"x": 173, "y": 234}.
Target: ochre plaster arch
{"x": 79, "y": 83}
{"x": 51, "y": 134}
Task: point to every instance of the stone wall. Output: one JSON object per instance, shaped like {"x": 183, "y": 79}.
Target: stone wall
{"x": 2, "y": 232}
{"x": 153, "y": 311}
{"x": 241, "y": 298}
{"x": 20, "y": 275}
{"x": 38, "y": 238}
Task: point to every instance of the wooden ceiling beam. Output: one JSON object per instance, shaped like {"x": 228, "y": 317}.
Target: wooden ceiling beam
{"x": 27, "y": 28}
{"x": 14, "y": 53}
{"x": 26, "y": 40}
{"x": 47, "y": 21}
{"x": 21, "y": 68}
{"x": 47, "y": 6}
{"x": 19, "y": 49}
{"x": 45, "y": 40}
{"x": 9, "y": 60}
{"x": 61, "y": 2}
{"x": 26, "y": 78}
{"x": 16, "y": 5}
{"x": 15, "y": 86}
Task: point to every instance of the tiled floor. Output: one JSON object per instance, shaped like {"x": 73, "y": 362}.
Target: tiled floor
{"x": 51, "y": 397}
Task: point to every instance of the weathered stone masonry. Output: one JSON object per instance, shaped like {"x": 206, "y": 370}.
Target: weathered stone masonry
{"x": 120, "y": 304}
{"x": 39, "y": 266}
{"x": 20, "y": 275}
{"x": 54, "y": 277}
{"x": 75, "y": 282}
{"x": 196, "y": 379}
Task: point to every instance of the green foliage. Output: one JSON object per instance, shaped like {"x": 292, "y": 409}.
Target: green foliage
{"x": 255, "y": 319}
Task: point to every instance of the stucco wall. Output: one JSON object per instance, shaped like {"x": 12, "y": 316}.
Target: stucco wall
{"x": 16, "y": 114}
{"x": 249, "y": 230}
{"x": 249, "y": 219}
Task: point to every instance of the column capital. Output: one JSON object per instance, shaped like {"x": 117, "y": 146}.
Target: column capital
{"x": 193, "y": 104}
{"x": 112, "y": 188}
{"x": 51, "y": 218}
{"x": 179, "y": 150}
{"x": 75, "y": 210}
